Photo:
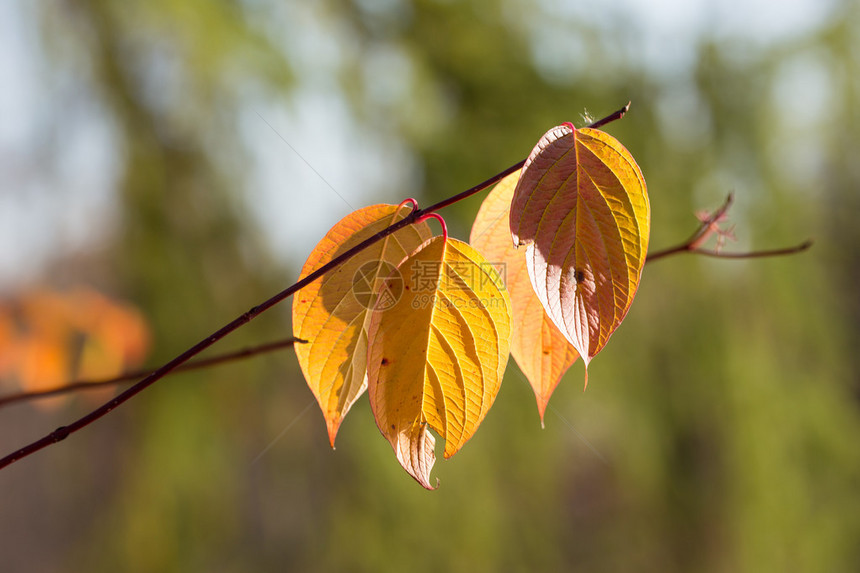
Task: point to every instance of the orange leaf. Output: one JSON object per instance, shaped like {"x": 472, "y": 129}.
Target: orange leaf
{"x": 332, "y": 313}
{"x": 540, "y": 349}
{"x": 582, "y": 208}
{"x": 57, "y": 336}
{"x": 436, "y": 358}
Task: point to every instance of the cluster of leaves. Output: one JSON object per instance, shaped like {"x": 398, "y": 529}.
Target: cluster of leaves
{"x": 49, "y": 337}
{"x": 425, "y": 324}
{"x": 430, "y": 351}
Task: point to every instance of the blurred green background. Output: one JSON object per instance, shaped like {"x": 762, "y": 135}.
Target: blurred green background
{"x": 186, "y": 156}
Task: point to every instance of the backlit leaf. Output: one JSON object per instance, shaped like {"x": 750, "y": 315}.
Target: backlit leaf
{"x": 582, "y": 209}
{"x": 332, "y": 312}
{"x": 540, "y": 349}
{"x": 436, "y": 358}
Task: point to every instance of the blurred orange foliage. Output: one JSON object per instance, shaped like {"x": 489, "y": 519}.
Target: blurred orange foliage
{"x": 48, "y": 338}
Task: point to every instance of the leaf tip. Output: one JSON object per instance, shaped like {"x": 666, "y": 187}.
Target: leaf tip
{"x": 541, "y": 406}
{"x": 426, "y": 485}
{"x": 333, "y": 425}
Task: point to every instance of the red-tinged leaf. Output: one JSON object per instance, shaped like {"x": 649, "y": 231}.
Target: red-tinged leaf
{"x": 539, "y": 348}
{"x": 332, "y": 313}
{"x": 582, "y": 208}
{"x": 436, "y": 358}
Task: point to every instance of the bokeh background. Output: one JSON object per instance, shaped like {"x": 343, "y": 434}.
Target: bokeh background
{"x": 186, "y": 156}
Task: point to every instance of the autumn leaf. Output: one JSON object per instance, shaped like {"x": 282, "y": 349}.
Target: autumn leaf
{"x": 436, "y": 358}
{"x": 539, "y": 348}
{"x": 582, "y": 209}
{"x": 59, "y": 336}
{"x": 332, "y": 313}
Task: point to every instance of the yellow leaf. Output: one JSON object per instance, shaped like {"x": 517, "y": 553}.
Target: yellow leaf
{"x": 332, "y": 312}
{"x": 539, "y": 348}
{"x": 582, "y": 208}
{"x": 436, "y": 358}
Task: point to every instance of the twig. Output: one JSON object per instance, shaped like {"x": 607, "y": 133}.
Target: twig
{"x": 723, "y": 255}
{"x": 618, "y": 114}
{"x": 755, "y": 254}
{"x": 611, "y": 117}
{"x": 136, "y": 375}
{"x": 708, "y": 228}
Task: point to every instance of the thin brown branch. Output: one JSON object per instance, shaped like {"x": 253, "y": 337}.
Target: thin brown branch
{"x": 709, "y": 227}
{"x": 724, "y": 255}
{"x": 676, "y": 250}
{"x": 83, "y": 385}
{"x": 616, "y": 115}
{"x": 755, "y": 254}
{"x": 64, "y": 432}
